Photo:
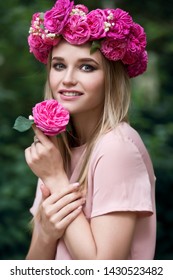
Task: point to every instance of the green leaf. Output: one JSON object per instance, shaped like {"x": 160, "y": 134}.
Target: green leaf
{"x": 22, "y": 124}
{"x": 95, "y": 45}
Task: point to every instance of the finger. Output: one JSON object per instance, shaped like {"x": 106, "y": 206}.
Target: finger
{"x": 68, "y": 209}
{"x": 27, "y": 154}
{"x": 36, "y": 140}
{"x": 65, "y": 191}
{"x": 45, "y": 191}
{"x": 66, "y": 221}
{"x": 67, "y": 203}
{"x": 35, "y": 150}
{"x": 30, "y": 155}
{"x": 67, "y": 200}
{"x": 40, "y": 135}
{"x": 56, "y": 212}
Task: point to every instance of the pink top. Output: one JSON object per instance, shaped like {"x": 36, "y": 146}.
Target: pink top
{"x": 120, "y": 178}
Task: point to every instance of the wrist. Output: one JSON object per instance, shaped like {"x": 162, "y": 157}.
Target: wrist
{"x": 56, "y": 183}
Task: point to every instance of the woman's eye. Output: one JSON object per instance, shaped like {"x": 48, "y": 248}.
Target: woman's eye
{"x": 58, "y": 66}
{"x": 87, "y": 68}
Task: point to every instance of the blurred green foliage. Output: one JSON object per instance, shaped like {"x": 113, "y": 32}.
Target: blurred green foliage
{"x": 21, "y": 86}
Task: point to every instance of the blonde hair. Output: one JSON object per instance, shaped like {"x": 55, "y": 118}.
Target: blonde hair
{"x": 115, "y": 110}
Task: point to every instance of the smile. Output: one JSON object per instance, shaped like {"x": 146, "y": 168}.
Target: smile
{"x": 71, "y": 93}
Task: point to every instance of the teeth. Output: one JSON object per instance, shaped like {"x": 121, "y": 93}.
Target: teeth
{"x": 71, "y": 94}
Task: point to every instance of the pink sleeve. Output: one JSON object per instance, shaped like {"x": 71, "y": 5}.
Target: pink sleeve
{"x": 121, "y": 181}
{"x": 37, "y": 199}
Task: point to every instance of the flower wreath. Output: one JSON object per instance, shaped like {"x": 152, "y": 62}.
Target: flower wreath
{"x": 113, "y": 31}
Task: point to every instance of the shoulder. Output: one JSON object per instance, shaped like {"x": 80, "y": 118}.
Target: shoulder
{"x": 120, "y": 138}
{"x": 124, "y": 149}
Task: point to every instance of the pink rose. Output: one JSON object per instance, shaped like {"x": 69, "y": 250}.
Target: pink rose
{"x": 139, "y": 67}
{"x": 37, "y": 27}
{"x": 96, "y": 19}
{"x": 56, "y": 18}
{"x": 36, "y": 18}
{"x": 39, "y": 48}
{"x": 113, "y": 49}
{"x": 39, "y": 40}
{"x": 51, "y": 40}
{"x": 136, "y": 44}
{"x": 120, "y": 22}
{"x": 63, "y": 4}
{"x": 50, "y": 117}
{"x": 81, "y": 8}
{"x": 76, "y": 31}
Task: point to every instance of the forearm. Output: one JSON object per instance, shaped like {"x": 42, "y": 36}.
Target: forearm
{"x": 41, "y": 249}
{"x": 79, "y": 239}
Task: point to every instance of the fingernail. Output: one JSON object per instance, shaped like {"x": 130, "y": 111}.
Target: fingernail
{"x": 75, "y": 185}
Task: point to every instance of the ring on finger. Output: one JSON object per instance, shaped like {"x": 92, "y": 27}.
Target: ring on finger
{"x": 36, "y": 140}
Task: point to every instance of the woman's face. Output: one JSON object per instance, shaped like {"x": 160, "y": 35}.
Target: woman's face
{"x": 77, "y": 79}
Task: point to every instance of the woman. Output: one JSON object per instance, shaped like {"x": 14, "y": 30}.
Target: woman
{"x": 95, "y": 196}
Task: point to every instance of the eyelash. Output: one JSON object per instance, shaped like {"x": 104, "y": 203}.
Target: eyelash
{"x": 61, "y": 66}
{"x": 90, "y": 68}
{"x": 56, "y": 66}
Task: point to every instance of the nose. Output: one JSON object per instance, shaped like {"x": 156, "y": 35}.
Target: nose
{"x": 69, "y": 78}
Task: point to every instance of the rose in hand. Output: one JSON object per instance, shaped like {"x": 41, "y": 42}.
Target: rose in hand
{"x": 43, "y": 156}
{"x": 49, "y": 116}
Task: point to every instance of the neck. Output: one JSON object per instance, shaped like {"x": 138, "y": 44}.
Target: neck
{"x": 84, "y": 127}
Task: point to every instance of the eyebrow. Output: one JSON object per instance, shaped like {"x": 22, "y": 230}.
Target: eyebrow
{"x": 84, "y": 59}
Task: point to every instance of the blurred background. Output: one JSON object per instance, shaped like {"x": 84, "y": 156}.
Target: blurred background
{"x": 21, "y": 86}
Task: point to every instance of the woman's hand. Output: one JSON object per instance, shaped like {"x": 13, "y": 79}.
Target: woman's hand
{"x": 58, "y": 210}
{"x": 45, "y": 160}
